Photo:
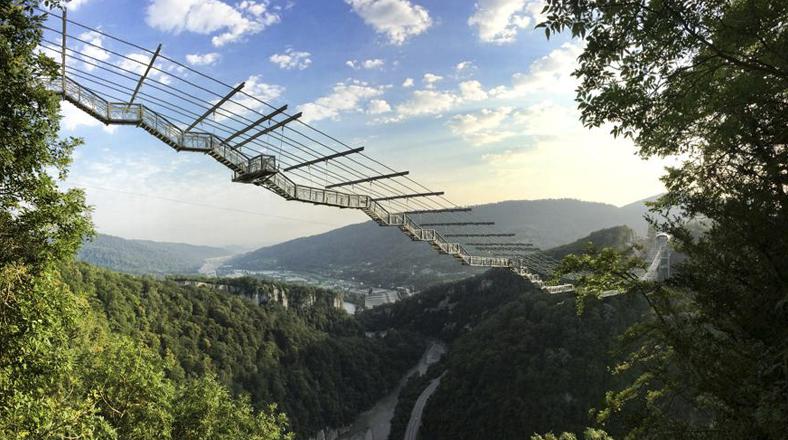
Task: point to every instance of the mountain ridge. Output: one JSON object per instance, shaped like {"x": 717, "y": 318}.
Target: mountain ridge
{"x": 384, "y": 256}
{"x": 146, "y": 256}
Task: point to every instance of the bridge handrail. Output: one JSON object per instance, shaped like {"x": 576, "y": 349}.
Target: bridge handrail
{"x": 125, "y": 113}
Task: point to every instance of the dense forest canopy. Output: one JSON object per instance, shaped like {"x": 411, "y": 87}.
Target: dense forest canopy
{"x": 93, "y": 354}
{"x": 310, "y": 358}
{"x": 64, "y": 373}
{"x": 706, "y": 80}
{"x": 518, "y": 362}
{"x": 146, "y": 257}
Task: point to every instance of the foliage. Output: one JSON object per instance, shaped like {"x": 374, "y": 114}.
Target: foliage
{"x": 205, "y": 409}
{"x": 531, "y": 365}
{"x": 449, "y": 310}
{"x": 62, "y": 373}
{"x": 313, "y": 361}
{"x": 39, "y": 223}
{"x": 706, "y": 80}
{"x": 37, "y": 370}
{"x": 519, "y": 361}
{"x": 129, "y": 387}
{"x": 407, "y": 397}
{"x": 588, "y": 434}
{"x": 146, "y": 257}
{"x": 617, "y": 237}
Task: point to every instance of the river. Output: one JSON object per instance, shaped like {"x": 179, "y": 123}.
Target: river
{"x": 375, "y": 424}
{"x": 210, "y": 265}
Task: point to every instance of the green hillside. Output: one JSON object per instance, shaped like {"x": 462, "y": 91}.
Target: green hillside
{"x": 145, "y": 256}
{"x": 519, "y": 361}
{"x": 617, "y": 237}
{"x": 384, "y": 256}
{"x": 310, "y": 359}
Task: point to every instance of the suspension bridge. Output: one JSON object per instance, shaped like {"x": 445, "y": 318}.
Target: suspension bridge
{"x": 119, "y": 82}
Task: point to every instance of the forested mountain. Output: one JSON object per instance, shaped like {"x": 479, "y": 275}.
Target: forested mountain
{"x": 145, "y": 256}
{"x": 311, "y": 359}
{"x": 513, "y": 350}
{"x": 519, "y": 361}
{"x": 385, "y": 256}
{"x": 617, "y": 237}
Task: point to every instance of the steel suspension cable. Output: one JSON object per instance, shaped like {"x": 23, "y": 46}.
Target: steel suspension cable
{"x": 229, "y": 86}
{"x": 165, "y": 86}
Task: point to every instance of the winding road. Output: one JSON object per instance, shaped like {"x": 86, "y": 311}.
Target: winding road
{"x": 418, "y": 408}
{"x": 375, "y": 424}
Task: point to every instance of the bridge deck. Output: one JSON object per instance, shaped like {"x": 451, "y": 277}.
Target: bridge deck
{"x": 263, "y": 171}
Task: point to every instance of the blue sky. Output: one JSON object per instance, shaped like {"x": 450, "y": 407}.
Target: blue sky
{"x": 466, "y": 95}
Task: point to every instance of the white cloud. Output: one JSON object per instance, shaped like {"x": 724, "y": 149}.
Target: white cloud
{"x": 259, "y": 91}
{"x": 94, "y": 49}
{"x": 552, "y": 72}
{"x": 397, "y": 19}
{"x": 73, "y": 5}
{"x": 498, "y": 21}
{"x": 549, "y": 75}
{"x": 375, "y": 63}
{"x": 541, "y": 120}
{"x": 482, "y": 127}
{"x": 138, "y": 62}
{"x": 547, "y": 119}
{"x": 345, "y": 97}
{"x": 429, "y": 101}
{"x": 73, "y": 118}
{"x": 206, "y": 59}
{"x": 291, "y": 59}
{"x": 430, "y": 79}
{"x": 378, "y": 106}
{"x": 463, "y": 66}
{"x": 563, "y": 159}
{"x": 472, "y": 91}
{"x": 228, "y": 23}
{"x": 426, "y": 102}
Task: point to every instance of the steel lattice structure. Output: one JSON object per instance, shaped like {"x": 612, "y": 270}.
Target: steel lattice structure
{"x": 267, "y": 147}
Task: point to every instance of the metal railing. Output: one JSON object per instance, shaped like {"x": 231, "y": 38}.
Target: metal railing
{"x": 272, "y": 179}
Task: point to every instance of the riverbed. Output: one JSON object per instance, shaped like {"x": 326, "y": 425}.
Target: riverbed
{"x": 375, "y": 424}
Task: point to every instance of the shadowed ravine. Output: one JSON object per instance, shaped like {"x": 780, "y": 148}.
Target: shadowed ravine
{"x": 375, "y": 424}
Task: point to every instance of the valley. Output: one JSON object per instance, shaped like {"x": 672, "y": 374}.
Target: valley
{"x": 340, "y": 375}
{"x": 281, "y": 335}
{"x": 383, "y": 257}
{"x": 393, "y": 219}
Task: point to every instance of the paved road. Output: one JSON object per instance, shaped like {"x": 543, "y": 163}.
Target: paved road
{"x": 375, "y": 423}
{"x": 415, "y": 416}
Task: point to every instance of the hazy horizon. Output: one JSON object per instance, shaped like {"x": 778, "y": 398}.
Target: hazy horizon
{"x": 488, "y": 117}
{"x": 246, "y": 247}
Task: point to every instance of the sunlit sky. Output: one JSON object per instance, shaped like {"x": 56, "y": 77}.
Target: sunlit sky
{"x": 465, "y": 94}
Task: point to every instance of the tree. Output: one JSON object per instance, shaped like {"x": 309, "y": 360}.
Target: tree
{"x": 39, "y": 223}
{"x": 129, "y": 388}
{"x": 205, "y": 409}
{"x": 41, "y": 394}
{"x": 63, "y": 374}
{"x": 706, "y": 81}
